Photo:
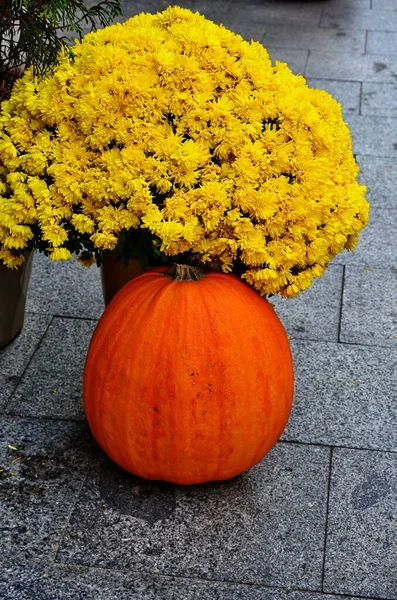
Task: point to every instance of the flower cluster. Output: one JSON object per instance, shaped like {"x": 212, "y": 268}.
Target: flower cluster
{"x": 177, "y": 126}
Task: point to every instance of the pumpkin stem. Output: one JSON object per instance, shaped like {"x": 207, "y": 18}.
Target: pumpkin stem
{"x": 184, "y": 273}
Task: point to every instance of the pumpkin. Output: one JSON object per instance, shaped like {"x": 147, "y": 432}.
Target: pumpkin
{"x": 188, "y": 376}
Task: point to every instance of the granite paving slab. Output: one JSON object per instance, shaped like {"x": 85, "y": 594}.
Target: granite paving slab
{"x": 315, "y": 313}
{"x": 348, "y": 3}
{"x": 375, "y": 136}
{"x": 64, "y": 288}
{"x": 312, "y": 38}
{"x": 379, "y": 68}
{"x": 381, "y": 42}
{"x": 52, "y": 383}
{"x": 251, "y": 27}
{"x": 296, "y": 59}
{"x": 361, "y": 550}
{"x": 230, "y": 531}
{"x": 367, "y": 317}
{"x": 379, "y": 99}
{"x": 346, "y": 92}
{"x": 379, "y": 174}
{"x": 345, "y": 395}
{"x": 194, "y": 590}
{"x": 43, "y": 466}
{"x": 15, "y": 357}
{"x": 268, "y": 13}
{"x": 359, "y": 18}
{"x": 377, "y": 246}
{"x": 55, "y": 582}
{"x": 137, "y": 6}
{"x": 384, "y": 5}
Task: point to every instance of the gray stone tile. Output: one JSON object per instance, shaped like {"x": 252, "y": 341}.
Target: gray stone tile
{"x": 362, "y": 525}
{"x": 15, "y": 357}
{"x": 379, "y": 100}
{"x": 248, "y": 21}
{"x": 346, "y": 92}
{"x": 52, "y": 383}
{"x": 249, "y": 30}
{"x": 64, "y": 288}
{"x": 314, "y": 38}
{"x": 347, "y": 4}
{"x": 380, "y": 176}
{"x": 384, "y": 5}
{"x": 381, "y": 42}
{"x": 367, "y": 317}
{"x": 134, "y": 7}
{"x": 268, "y": 13}
{"x": 264, "y": 527}
{"x": 344, "y": 395}
{"x": 377, "y": 244}
{"x": 359, "y": 67}
{"x": 295, "y": 59}
{"x": 56, "y": 582}
{"x": 314, "y": 314}
{"x": 39, "y": 483}
{"x": 375, "y": 136}
{"x": 355, "y": 18}
{"x": 204, "y": 590}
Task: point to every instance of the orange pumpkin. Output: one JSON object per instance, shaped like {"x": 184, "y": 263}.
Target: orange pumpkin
{"x": 188, "y": 380}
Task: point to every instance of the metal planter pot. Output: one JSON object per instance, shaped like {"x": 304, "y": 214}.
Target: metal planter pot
{"x": 13, "y": 291}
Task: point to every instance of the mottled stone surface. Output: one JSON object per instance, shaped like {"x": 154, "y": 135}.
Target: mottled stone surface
{"x": 361, "y": 546}
{"x": 43, "y": 467}
{"x": 379, "y": 100}
{"x": 379, "y": 174}
{"x": 378, "y": 68}
{"x": 369, "y": 318}
{"x": 64, "y": 288}
{"x": 363, "y": 19}
{"x": 315, "y": 314}
{"x": 15, "y": 357}
{"x": 374, "y": 136}
{"x": 42, "y": 582}
{"x": 228, "y": 531}
{"x": 312, "y": 38}
{"x": 52, "y": 383}
{"x": 203, "y": 590}
{"x": 268, "y": 13}
{"x": 344, "y": 395}
{"x": 382, "y": 42}
{"x": 384, "y": 5}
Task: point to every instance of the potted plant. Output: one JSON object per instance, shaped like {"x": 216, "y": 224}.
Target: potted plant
{"x": 32, "y": 35}
{"x": 170, "y": 139}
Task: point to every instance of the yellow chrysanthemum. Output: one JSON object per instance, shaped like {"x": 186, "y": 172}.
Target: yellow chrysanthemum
{"x": 178, "y": 126}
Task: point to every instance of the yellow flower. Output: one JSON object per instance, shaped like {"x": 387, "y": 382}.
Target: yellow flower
{"x": 83, "y": 224}
{"x": 60, "y": 254}
{"x": 104, "y": 241}
{"x": 55, "y": 234}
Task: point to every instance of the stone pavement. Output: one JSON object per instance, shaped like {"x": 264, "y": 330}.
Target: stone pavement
{"x": 317, "y": 518}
